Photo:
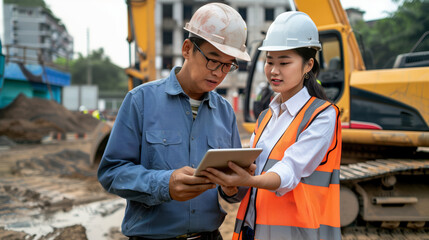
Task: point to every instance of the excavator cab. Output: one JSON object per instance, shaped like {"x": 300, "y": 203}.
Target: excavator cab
{"x": 331, "y": 63}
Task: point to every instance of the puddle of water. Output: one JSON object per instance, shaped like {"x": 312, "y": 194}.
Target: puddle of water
{"x": 97, "y": 218}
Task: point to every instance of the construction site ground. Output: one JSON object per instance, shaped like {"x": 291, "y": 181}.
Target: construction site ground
{"x": 48, "y": 186}
{"x": 49, "y": 189}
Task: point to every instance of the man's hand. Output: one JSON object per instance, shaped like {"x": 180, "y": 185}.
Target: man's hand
{"x": 184, "y": 185}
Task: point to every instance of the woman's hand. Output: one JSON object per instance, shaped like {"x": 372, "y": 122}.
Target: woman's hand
{"x": 242, "y": 177}
{"x": 239, "y": 177}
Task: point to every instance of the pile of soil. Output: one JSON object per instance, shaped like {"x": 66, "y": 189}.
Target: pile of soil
{"x": 28, "y": 120}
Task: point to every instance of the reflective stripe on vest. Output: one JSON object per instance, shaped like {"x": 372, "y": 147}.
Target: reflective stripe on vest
{"x": 311, "y": 210}
{"x": 295, "y": 233}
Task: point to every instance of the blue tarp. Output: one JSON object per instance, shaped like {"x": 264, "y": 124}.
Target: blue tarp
{"x": 55, "y": 77}
{"x": 15, "y": 82}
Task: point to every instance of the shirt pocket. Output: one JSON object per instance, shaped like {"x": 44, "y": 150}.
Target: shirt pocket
{"x": 164, "y": 146}
{"x": 218, "y": 142}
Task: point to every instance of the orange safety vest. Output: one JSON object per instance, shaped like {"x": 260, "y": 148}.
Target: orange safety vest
{"x": 312, "y": 209}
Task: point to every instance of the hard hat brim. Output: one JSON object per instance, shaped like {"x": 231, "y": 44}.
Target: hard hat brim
{"x": 283, "y": 48}
{"x": 234, "y": 52}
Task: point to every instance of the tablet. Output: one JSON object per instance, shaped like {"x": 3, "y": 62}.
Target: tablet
{"x": 219, "y": 158}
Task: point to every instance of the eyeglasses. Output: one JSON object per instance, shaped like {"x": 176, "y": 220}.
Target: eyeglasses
{"x": 213, "y": 65}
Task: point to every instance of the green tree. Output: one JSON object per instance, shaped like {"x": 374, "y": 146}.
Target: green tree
{"x": 106, "y": 75}
{"x": 386, "y": 38}
{"x": 63, "y": 62}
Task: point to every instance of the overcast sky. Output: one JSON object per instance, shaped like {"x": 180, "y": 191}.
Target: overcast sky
{"x": 106, "y": 22}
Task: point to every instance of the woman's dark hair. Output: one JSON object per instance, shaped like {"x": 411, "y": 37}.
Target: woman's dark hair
{"x": 313, "y": 87}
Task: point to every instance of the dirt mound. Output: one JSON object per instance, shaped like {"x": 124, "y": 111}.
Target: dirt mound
{"x": 28, "y": 120}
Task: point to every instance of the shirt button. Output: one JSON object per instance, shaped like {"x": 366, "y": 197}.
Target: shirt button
{"x": 193, "y": 211}
{"x": 164, "y": 140}
{"x": 193, "y": 165}
{"x": 192, "y": 138}
{"x": 187, "y": 112}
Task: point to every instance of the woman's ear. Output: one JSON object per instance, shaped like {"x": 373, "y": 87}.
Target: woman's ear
{"x": 309, "y": 65}
{"x": 186, "y": 48}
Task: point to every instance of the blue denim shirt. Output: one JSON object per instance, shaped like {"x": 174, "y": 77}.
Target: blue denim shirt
{"x": 154, "y": 134}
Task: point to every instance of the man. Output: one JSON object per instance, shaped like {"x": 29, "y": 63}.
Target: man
{"x": 164, "y": 128}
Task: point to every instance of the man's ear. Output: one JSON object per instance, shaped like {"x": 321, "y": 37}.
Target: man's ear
{"x": 187, "y": 49}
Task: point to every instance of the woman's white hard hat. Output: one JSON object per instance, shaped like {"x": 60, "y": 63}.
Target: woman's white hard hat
{"x": 223, "y": 27}
{"x": 291, "y": 30}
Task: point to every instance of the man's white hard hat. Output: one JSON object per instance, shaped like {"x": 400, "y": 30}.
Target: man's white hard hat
{"x": 223, "y": 27}
{"x": 291, "y": 30}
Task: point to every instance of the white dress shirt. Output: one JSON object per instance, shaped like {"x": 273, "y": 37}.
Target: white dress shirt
{"x": 302, "y": 157}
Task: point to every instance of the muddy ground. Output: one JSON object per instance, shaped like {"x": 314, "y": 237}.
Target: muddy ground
{"x": 50, "y": 191}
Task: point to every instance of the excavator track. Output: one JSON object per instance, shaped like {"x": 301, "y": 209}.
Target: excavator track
{"x": 363, "y": 233}
{"x": 363, "y": 175}
{"x": 378, "y": 168}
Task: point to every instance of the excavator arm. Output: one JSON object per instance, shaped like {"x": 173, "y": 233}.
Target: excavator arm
{"x": 141, "y": 31}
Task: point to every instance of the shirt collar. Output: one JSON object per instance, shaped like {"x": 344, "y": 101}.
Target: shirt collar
{"x": 173, "y": 87}
{"x": 293, "y": 104}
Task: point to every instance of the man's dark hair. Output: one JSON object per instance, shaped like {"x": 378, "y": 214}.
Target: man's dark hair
{"x": 197, "y": 40}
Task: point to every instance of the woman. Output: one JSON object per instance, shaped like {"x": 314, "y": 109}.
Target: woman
{"x": 294, "y": 193}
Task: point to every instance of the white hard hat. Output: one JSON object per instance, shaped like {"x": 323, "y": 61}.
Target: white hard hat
{"x": 291, "y": 30}
{"x": 223, "y": 27}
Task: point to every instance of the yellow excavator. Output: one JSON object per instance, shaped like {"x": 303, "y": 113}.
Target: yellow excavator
{"x": 384, "y": 115}
{"x": 385, "y": 118}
